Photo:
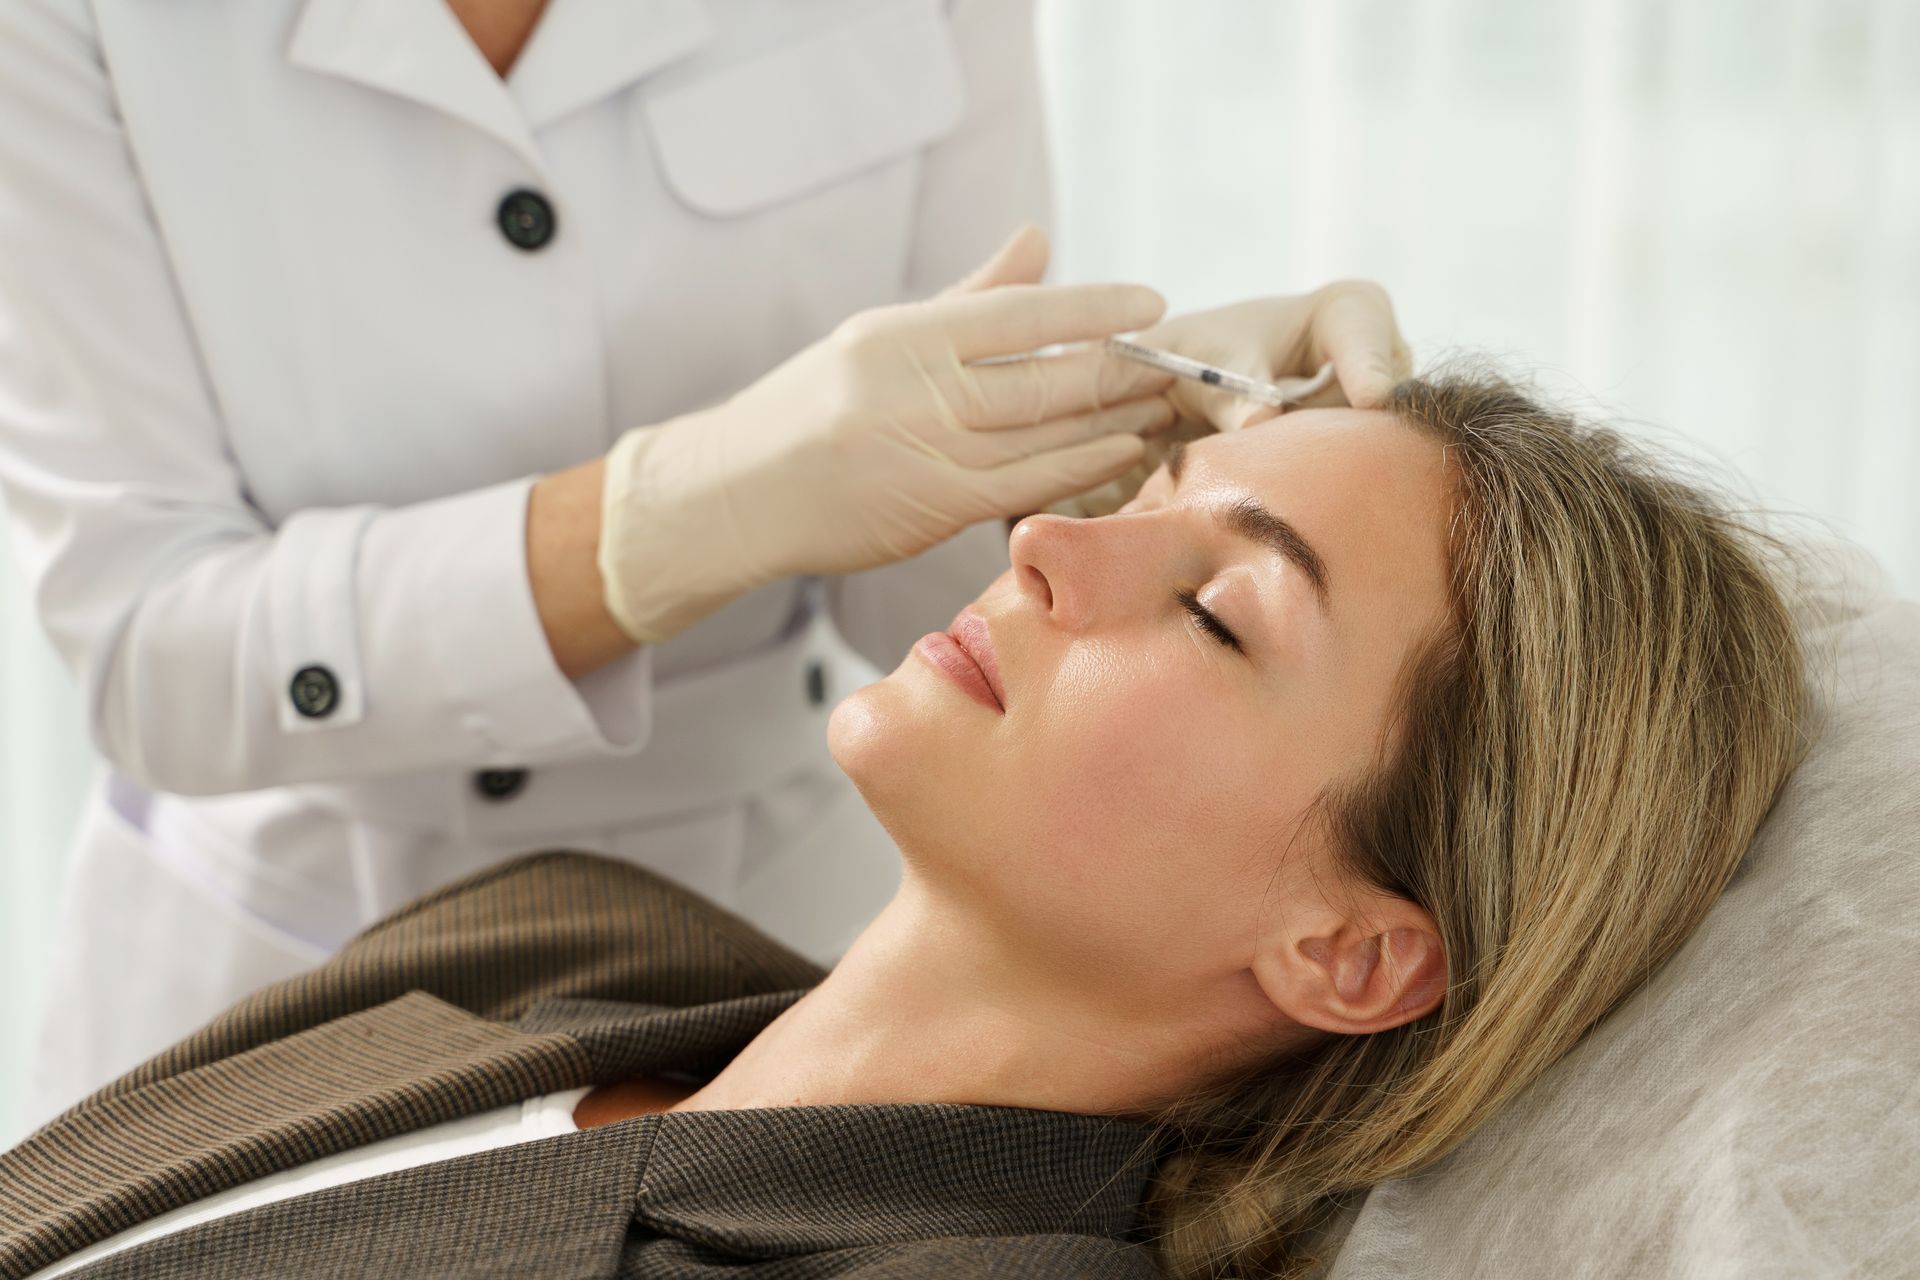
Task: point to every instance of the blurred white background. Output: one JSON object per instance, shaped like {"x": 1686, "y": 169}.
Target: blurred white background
{"x": 1703, "y": 214}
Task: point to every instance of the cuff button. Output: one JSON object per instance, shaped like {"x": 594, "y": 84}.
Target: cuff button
{"x": 500, "y": 784}
{"x": 314, "y": 691}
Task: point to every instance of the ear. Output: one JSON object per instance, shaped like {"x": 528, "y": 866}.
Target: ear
{"x": 1354, "y": 972}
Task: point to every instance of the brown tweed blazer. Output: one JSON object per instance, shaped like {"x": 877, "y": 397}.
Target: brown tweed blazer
{"x": 550, "y": 972}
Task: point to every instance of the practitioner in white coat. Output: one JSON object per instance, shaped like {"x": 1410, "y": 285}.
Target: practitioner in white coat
{"x": 438, "y": 429}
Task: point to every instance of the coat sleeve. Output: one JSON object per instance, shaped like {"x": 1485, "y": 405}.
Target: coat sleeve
{"x": 977, "y": 185}
{"x": 184, "y": 613}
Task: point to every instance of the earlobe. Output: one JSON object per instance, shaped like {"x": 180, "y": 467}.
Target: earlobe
{"x": 1354, "y": 976}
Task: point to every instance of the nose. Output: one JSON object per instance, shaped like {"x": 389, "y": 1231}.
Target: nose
{"x": 1027, "y": 543}
{"x": 1074, "y": 569}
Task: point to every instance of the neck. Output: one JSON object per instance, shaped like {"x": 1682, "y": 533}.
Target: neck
{"x": 931, "y": 1005}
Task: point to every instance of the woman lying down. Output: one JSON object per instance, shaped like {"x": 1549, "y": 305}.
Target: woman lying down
{"x": 1260, "y": 841}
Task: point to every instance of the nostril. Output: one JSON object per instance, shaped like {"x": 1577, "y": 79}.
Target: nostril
{"x": 1038, "y": 580}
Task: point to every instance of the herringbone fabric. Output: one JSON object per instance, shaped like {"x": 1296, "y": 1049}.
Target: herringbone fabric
{"x": 549, "y": 926}
{"x": 550, "y": 972}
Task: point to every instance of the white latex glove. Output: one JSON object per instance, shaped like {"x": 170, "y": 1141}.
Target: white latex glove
{"x": 879, "y": 441}
{"x": 1274, "y": 339}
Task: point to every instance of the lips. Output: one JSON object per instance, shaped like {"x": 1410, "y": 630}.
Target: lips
{"x": 969, "y": 631}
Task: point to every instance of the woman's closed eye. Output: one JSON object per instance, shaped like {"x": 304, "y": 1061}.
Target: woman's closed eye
{"x": 1209, "y": 623}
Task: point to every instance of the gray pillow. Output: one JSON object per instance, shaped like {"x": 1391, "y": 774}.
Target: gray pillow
{"x": 1754, "y": 1110}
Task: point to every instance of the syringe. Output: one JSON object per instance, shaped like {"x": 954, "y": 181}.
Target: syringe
{"x": 1226, "y": 379}
{"x": 1281, "y": 397}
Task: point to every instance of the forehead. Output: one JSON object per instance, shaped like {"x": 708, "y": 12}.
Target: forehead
{"x": 1369, "y": 492}
{"x": 1355, "y": 460}
{"x": 1327, "y": 444}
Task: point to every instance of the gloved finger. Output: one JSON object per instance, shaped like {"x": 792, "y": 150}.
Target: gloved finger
{"x": 1354, "y": 328}
{"x": 1252, "y": 415}
{"x": 1024, "y": 392}
{"x": 1331, "y": 396}
{"x": 1030, "y": 484}
{"x": 1221, "y": 409}
{"x": 1105, "y": 499}
{"x": 1025, "y": 317}
{"x": 1144, "y": 416}
{"x": 1020, "y": 259}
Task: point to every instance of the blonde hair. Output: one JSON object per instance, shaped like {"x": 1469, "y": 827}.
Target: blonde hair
{"x": 1581, "y": 762}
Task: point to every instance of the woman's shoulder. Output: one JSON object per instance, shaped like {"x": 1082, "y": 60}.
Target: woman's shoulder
{"x": 557, "y": 926}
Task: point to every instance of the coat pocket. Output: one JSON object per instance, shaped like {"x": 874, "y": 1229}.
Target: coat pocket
{"x": 782, "y": 123}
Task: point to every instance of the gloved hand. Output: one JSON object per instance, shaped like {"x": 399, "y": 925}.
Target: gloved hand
{"x": 879, "y": 441}
{"x": 1274, "y": 339}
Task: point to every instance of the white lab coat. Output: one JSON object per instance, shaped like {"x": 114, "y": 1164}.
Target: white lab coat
{"x": 274, "y": 386}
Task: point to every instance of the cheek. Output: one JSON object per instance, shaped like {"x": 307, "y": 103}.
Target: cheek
{"x": 1151, "y": 779}
{"x": 1138, "y": 806}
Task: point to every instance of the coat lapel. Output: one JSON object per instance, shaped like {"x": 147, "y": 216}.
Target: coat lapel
{"x": 403, "y": 1065}
{"x": 413, "y": 49}
{"x": 727, "y": 1187}
{"x": 581, "y": 51}
{"x": 552, "y": 971}
{"x": 558, "y": 1208}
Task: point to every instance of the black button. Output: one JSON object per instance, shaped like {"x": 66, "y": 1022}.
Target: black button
{"x": 526, "y": 219}
{"x": 314, "y": 691}
{"x": 816, "y": 683}
{"x": 500, "y": 784}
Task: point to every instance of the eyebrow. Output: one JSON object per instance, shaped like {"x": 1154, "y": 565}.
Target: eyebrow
{"x": 1256, "y": 523}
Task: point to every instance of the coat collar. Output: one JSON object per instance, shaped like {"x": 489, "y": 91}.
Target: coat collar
{"x": 751, "y": 1186}
{"x": 586, "y": 50}
{"x": 768, "y": 1182}
{"x": 772, "y": 1182}
{"x": 581, "y": 51}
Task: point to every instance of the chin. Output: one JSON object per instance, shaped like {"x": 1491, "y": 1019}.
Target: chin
{"x": 878, "y": 735}
{"x": 857, "y": 731}
{"x": 895, "y": 739}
